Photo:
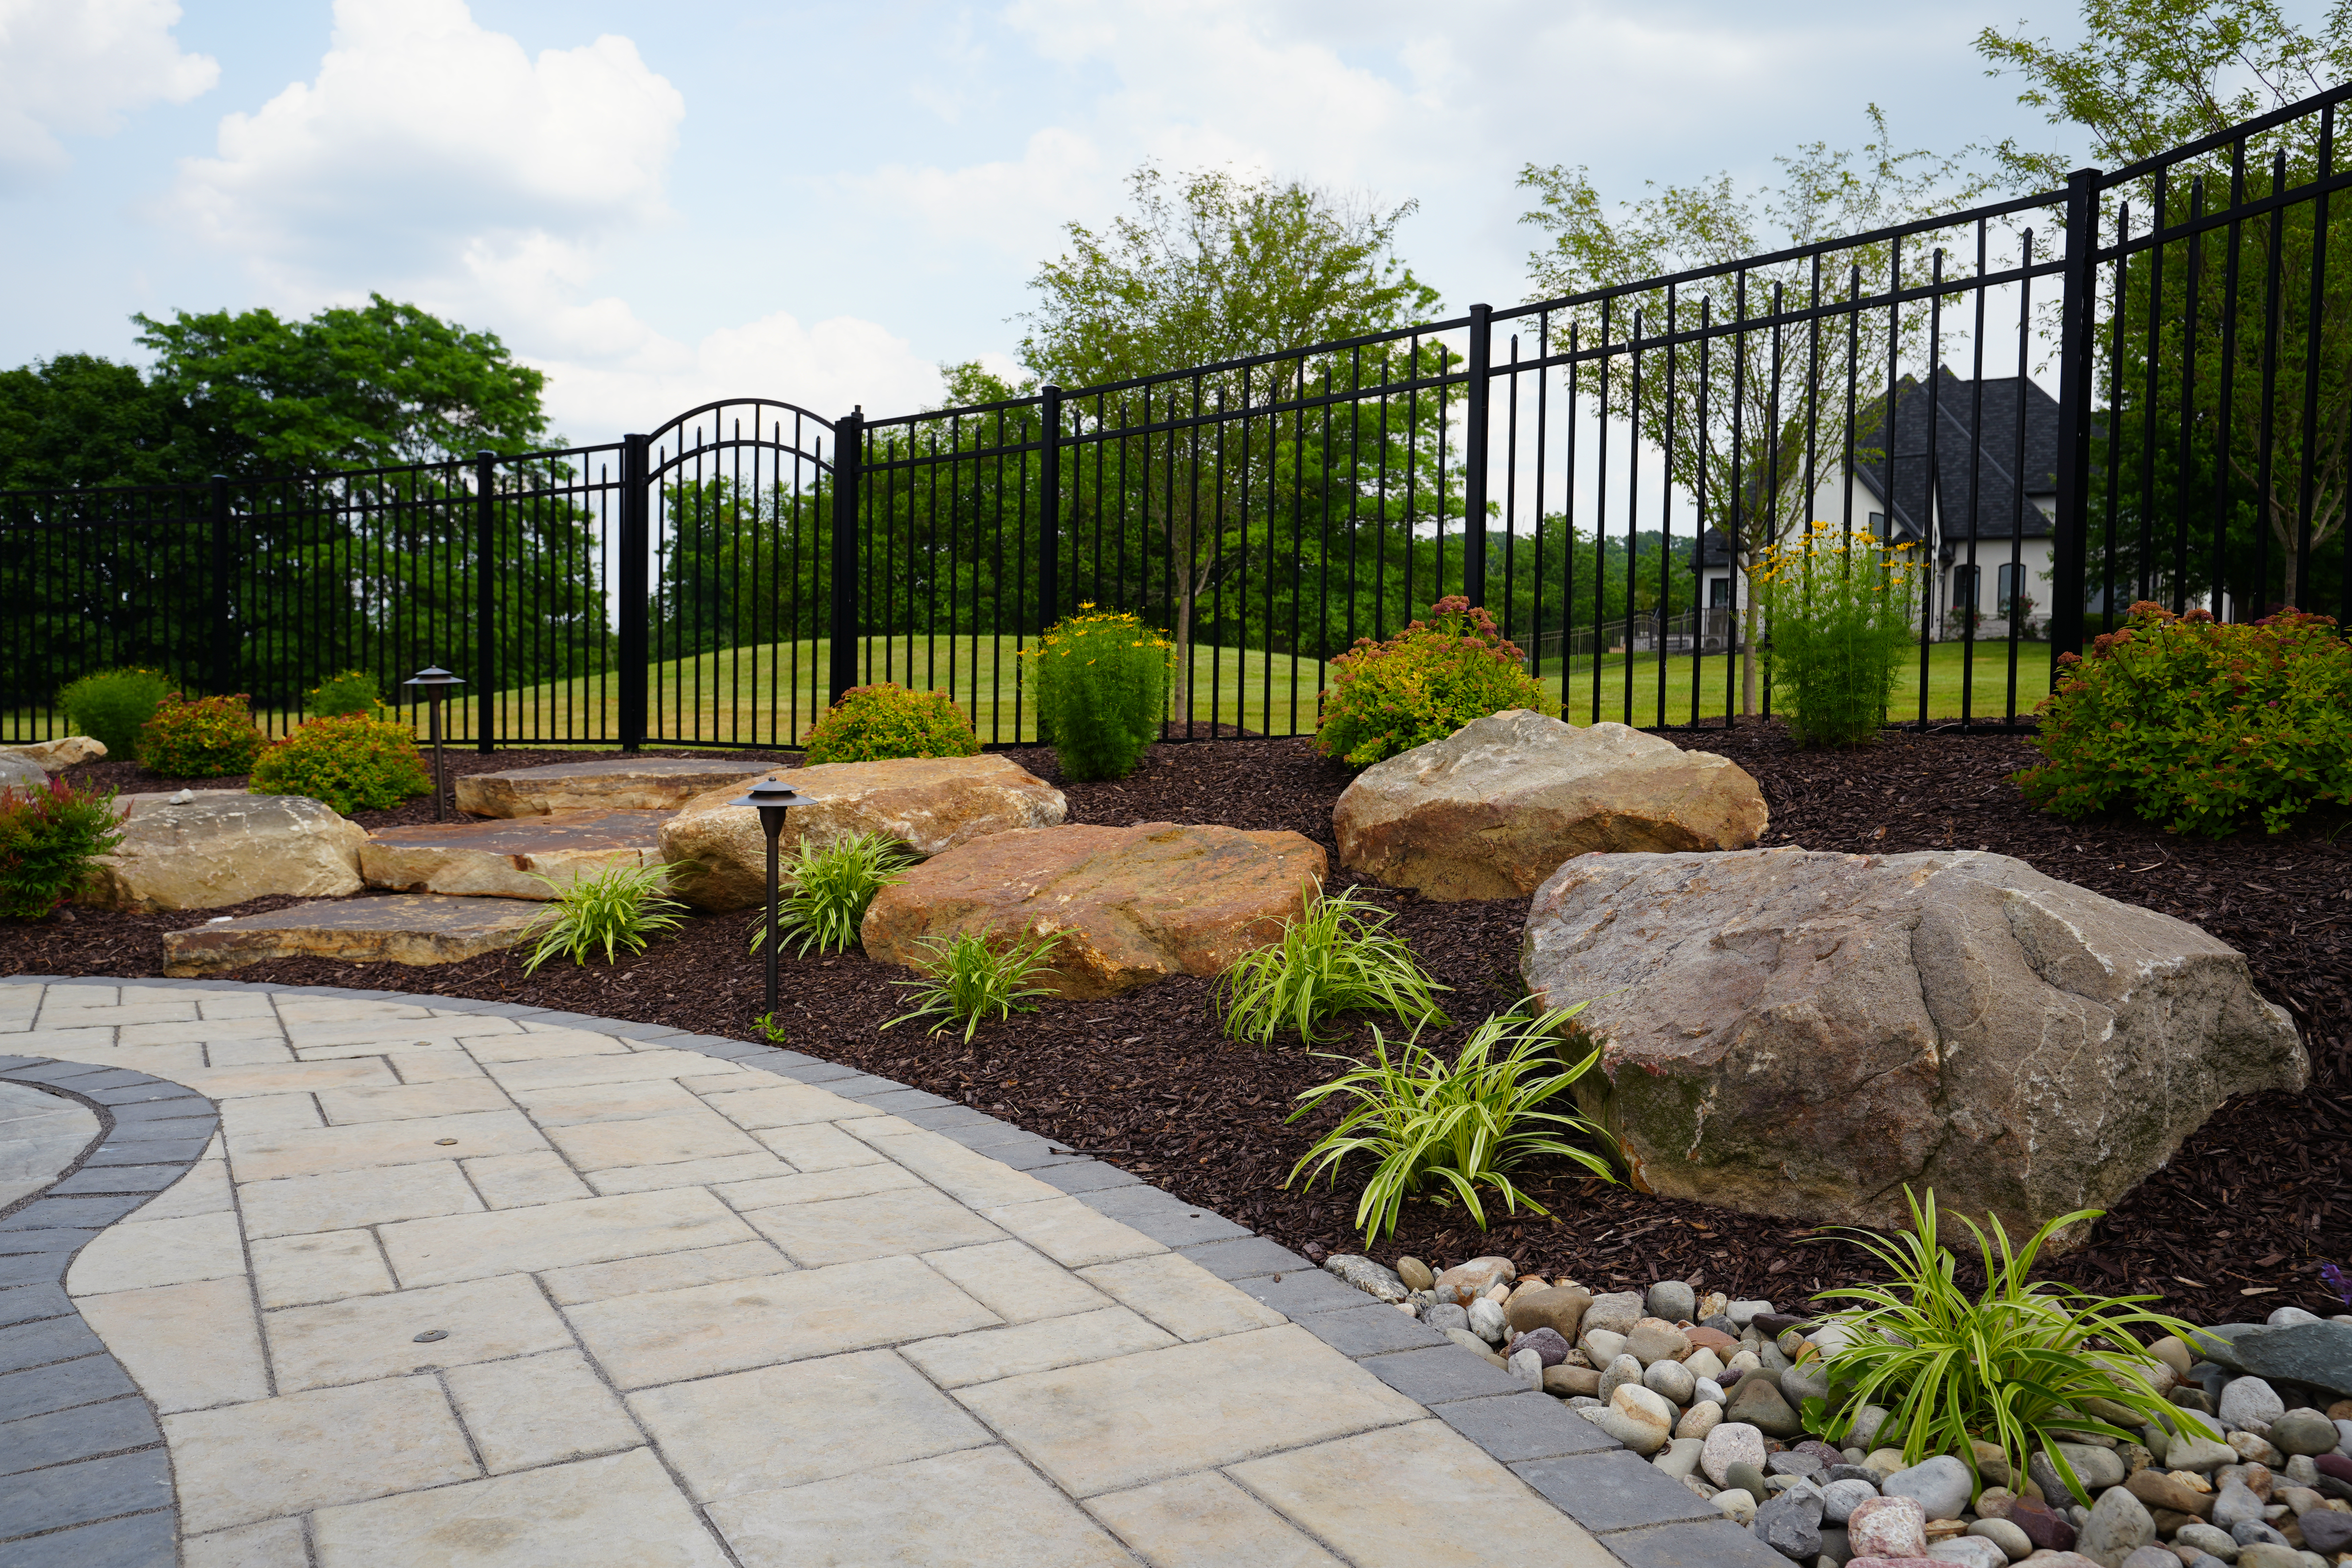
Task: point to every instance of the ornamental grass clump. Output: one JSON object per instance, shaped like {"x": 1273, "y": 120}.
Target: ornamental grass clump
{"x": 975, "y": 976}
{"x": 1337, "y": 956}
{"x": 1421, "y": 685}
{"x": 830, "y": 888}
{"x": 48, "y": 838}
{"x": 112, "y": 706}
{"x": 876, "y": 723}
{"x": 1445, "y": 1129}
{"x": 201, "y": 738}
{"x": 2016, "y": 1365}
{"x": 1839, "y": 606}
{"x": 354, "y": 764}
{"x": 2198, "y": 726}
{"x": 619, "y": 907}
{"x": 1100, "y": 682}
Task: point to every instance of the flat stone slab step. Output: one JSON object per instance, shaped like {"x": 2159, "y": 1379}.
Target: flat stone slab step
{"x": 609, "y": 783}
{"x": 505, "y": 858}
{"x": 397, "y": 928}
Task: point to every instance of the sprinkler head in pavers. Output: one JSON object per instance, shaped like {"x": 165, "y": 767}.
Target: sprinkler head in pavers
{"x": 430, "y": 1336}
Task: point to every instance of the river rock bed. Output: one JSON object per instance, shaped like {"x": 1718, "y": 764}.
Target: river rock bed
{"x": 1711, "y": 1390}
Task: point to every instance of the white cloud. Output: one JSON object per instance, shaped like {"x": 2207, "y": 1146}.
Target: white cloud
{"x": 77, "y": 67}
{"x": 1015, "y": 207}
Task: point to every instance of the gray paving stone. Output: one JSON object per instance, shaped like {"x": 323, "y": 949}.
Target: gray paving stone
{"x": 147, "y": 1091}
{"x": 61, "y": 1238}
{"x": 1247, "y": 1257}
{"x": 1036, "y": 1157}
{"x": 154, "y": 1116}
{"x": 27, "y": 1303}
{"x": 1523, "y": 1425}
{"x": 639, "y": 1031}
{"x": 1443, "y": 1372}
{"x": 900, "y": 1100}
{"x": 62, "y": 1387}
{"x": 860, "y": 1085}
{"x": 1372, "y": 1330}
{"x": 947, "y": 1118}
{"x": 826, "y": 1073}
{"x": 33, "y": 1268}
{"x": 87, "y": 1490}
{"x": 144, "y": 1541}
{"x": 62, "y": 1075}
{"x": 121, "y": 1179}
{"x": 62, "y": 1436}
{"x": 1162, "y": 1217}
{"x": 1612, "y": 1490}
{"x": 1705, "y": 1544}
{"x": 90, "y": 1212}
{"x": 1080, "y": 1174}
{"x": 1294, "y": 1295}
{"x": 47, "y": 1339}
{"x": 141, "y": 1149}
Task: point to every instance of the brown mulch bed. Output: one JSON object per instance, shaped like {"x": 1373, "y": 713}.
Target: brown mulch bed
{"x": 2251, "y": 1202}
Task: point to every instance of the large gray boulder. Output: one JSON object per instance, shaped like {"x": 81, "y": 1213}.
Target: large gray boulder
{"x": 219, "y": 847}
{"x": 56, "y": 756}
{"x": 21, "y": 774}
{"x": 1494, "y": 808}
{"x": 1796, "y": 1033}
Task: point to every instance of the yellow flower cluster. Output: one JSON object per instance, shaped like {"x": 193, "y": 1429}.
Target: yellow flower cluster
{"x": 1822, "y": 544}
{"x": 1066, "y": 630}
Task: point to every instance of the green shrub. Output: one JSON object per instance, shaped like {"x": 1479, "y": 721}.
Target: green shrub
{"x": 1100, "y": 682}
{"x": 973, "y": 976}
{"x": 621, "y": 906}
{"x": 200, "y": 739}
{"x": 47, "y": 840}
{"x": 827, "y": 890}
{"x": 112, "y": 705}
{"x": 1449, "y": 1129}
{"x": 1421, "y": 685}
{"x": 2199, "y": 726}
{"x": 2012, "y": 1367}
{"x": 353, "y": 692}
{"x": 1839, "y": 607}
{"x": 1339, "y": 956}
{"x": 354, "y": 763}
{"x": 871, "y": 723}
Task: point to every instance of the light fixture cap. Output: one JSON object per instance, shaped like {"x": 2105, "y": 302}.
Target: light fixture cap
{"x": 433, "y": 675}
{"x": 771, "y": 795}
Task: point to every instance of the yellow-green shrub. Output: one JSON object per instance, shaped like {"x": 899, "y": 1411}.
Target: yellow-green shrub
{"x": 1421, "y": 685}
{"x": 200, "y": 739}
{"x": 354, "y": 764}
{"x": 871, "y": 723}
{"x": 1100, "y": 681}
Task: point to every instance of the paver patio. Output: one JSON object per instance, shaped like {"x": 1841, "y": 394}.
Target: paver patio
{"x": 463, "y": 1285}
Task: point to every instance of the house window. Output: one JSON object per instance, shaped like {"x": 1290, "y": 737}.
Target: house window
{"x": 1964, "y": 587}
{"x": 2011, "y": 576}
{"x": 1718, "y": 593}
{"x": 1878, "y": 525}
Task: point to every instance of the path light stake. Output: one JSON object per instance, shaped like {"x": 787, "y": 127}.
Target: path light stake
{"x": 772, "y": 796}
{"x": 435, "y": 680}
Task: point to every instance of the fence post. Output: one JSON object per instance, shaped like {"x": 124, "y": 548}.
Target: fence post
{"x": 224, "y": 626}
{"x": 636, "y": 511}
{"x": 2077, "y": 351}
{"x": 848, "y": 447}
{"x": 1049, "y": 514}
{"x": 486, "y": 603}
{"x": 1473, "y": 458}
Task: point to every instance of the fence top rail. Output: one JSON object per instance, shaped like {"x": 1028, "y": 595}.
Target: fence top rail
{"x": 679, "y": 422}
{"x": 2244, "y": 131}
{"x": 445, "y": 468}
{"x": 2225, "y": 217}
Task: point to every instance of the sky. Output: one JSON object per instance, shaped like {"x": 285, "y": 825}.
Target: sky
{"x": 660, "y": 205}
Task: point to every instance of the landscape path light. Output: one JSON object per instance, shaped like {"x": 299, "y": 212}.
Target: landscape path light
{"x": 772, "y": 796}
{"x": 434, "y": 680}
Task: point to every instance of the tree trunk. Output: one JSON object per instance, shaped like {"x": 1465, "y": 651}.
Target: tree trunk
{"x": 1748, "y": 660}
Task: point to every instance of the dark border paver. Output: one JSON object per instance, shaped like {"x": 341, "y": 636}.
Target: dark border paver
{"x": 1526, "y": 1425}
{"x": 1442, "y": 1372}
{"x": 1614, "y": 1491}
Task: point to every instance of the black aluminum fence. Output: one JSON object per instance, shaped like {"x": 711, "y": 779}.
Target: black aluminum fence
{"x": 2136, "y": 387}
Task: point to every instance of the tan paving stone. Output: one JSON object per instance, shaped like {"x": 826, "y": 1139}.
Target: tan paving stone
{"x": 559, "y": 1235}
{"x": 137, "y": 1253}
{"x": 273, "y": 1543}
{"x": 985, "y": 1354}
{"x": 233, "y": 1003}
{"x": 618, "y": 1511}
{"x": 56, "y": 1014}
{"x": 818, "y": 1187}
{"x": 209, "y": 1031}
{"x": 1071, "y": 1233}
{"x": 518, "y": 1181}
{"x": 774, "y": 1104}
{"x": 432, "y": 1066}
{"x": 725, "y": 1168}
{"x": 188, "y": 1347}
{"x": 668, "y": 1271}
{"x": 533, "y": 1045}
{"x": 265, "y": 1156}
{"x": 344, "y": 1009}
{"x": 1016, "y": 1284}
{"x": 163, "y": 1061}
{"x": 1110, "y": 1425}
{"x": 246, "y": 1053}
{"x": 366, "y": 1337}
{"x": 304, "y": 1451}
{"x": 848, "y": 1414}
{"x": 978, "y": 1509}
{"x": 631, "y": 1067}
{"x": 817, "y": 1146}
{"x": 450, "y": 1097}
{"x": 204, "y": 1190}
{"x": 565, "y": 1104}
{"x": 290, "y": 1078}
{"x": 694, "y": 1135}
{"x": 269, "y": 1113}
{"x": 346, "y": 1199}
{"x": 880, "y": 1225}
{"x": 960, "y": 1173}
{"x": 1202, "y": 1519}
{"x": 327, "y": 1265}
{"x": 663, "y": 1336}
{"x": 392, "y": 1033}
{"x": 67, "y": 1045}
{"x": 1378, "y": 1499}
{"x": 1182, "y": 1296}
{"x": 540, "y": 1410}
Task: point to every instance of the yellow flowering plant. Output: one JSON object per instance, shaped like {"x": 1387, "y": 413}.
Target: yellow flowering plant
{"x": 872, "y": 723}
{"x": 1099, "y": 680}
{"x": 1839, "y": 607}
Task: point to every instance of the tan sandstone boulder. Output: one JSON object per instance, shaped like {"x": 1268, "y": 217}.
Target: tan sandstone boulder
{"x": 506, "y": 857}
{"x": 399, "y": 927}
{"x": 222, "y": 846}
{"x": 928, "y": 803}
{"x": 1796, "y": 1033}
{"x": 1133, "y": 904}
{"x": 56, "y": 756}
{"x": 602, "y": 784}
{"x": 1497, "y": 807}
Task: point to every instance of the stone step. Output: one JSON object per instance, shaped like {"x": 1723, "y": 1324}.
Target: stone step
{"x": 608, "y": 784}
{"x": 505, "y": 858}
{"x": 396, "y": 927}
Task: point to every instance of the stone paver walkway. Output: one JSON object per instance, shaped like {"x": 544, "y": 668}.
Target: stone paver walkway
{"x": 41, "y": 1134}
{"x": 469, "y": 1285}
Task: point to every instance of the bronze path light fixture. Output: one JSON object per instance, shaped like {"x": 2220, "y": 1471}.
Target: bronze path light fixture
{"x": 772, "y": 796}
{"x": 435, "y": 681}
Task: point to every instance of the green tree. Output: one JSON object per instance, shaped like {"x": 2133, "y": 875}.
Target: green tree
{"x": 78, "y": 419}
